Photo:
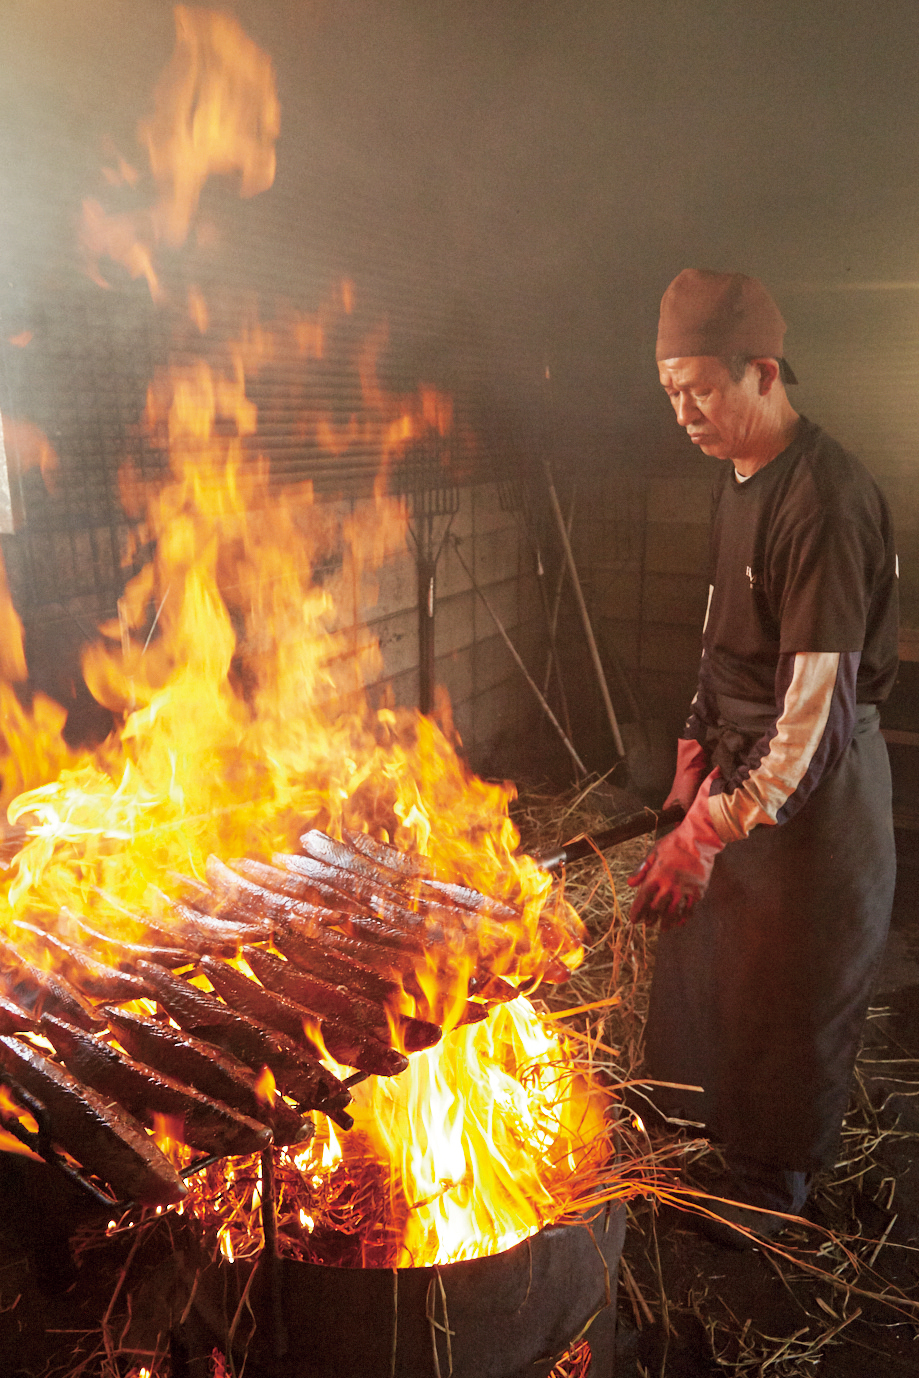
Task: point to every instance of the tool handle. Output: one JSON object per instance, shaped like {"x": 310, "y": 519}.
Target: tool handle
{"x": 582, "y": 847}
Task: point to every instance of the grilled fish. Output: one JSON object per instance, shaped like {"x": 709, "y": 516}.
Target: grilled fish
{"x": 104, "y": 1138}
{"x": 206, "y": 1124}
{"x": 208, "y": 1069}
{"x": 253, "y": 1042}
{"x": 347, "y": 1045}
{"x": 338, "y": 1002}
{"x": 91, "y": 977}
{"x": 43, "y": 992}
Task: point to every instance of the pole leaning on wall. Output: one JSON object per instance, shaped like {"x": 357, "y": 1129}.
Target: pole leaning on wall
{"x": 502, "y": 632}
{"x": 585, "y": 615}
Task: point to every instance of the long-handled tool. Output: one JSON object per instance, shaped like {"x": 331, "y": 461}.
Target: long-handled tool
{"x": 426, "y": 477}
{"x": 647, "y": 821}
{"x": 502, "y": 630}
{"x": 582, "y": 605}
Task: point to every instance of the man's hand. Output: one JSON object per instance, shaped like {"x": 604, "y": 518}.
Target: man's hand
{"x": 675, "y": 875}
{"x": 692, "y": 766}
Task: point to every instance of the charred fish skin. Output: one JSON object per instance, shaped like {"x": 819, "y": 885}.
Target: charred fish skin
{"x": 127, "y": 954}
{"x": 296, "y": 1073}
{"x": 428, "y": 885}
{"x": 38, "y": 991}
{"x": 13, "y": 1019}
{"x": 449, "y": 892}
{"x": 395, "y": 895}
{"x": 390, "y": 916}
{"x": 338, "y": 1004}
{"x": 207, "y": 1069}
{"x": 321, "y": 847}
{"x": 353, "y": 1049}
{"x": 186, "y": 1003}
{"x": 293, "y": 1074}
{"x": 238, "y": 893}
{"x": 317, "y": 930}
{"x": 390, "y": 951}
{"x": 296, "y": 889}
{"x": 357, "y": 893}
{"x": 92, "y": 978}
{"x": 386, "y": 855}
{"x": 145, "y": 1093}
{"x": 347, "y": 1045}
{"x": 216, "y": 936}
{"x": 321, "y": 999}
{"x": 250, "y": 998}
{"x": 336, "y": 968}
{"x": 100, "y": 1135}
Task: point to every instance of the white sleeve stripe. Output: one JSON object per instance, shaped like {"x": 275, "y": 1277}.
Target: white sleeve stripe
{"x": 799, "y": 731}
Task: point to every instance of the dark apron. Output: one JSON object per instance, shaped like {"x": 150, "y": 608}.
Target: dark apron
{"x": 761, "y": 997}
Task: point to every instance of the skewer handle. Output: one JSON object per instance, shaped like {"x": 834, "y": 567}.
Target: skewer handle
{"x": 647, "y": 821}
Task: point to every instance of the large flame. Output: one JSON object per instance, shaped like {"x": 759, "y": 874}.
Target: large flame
{"x": 215, "y": 111}
{"x": 238, "y": 674}
{"x": 239, "y": 685}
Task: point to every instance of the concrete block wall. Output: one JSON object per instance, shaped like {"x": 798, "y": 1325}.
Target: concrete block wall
{"x": 642, "y": 552}
{"x": 493, "y": 708}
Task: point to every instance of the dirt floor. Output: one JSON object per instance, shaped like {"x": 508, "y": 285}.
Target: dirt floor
{"x": 689, "y": 1307}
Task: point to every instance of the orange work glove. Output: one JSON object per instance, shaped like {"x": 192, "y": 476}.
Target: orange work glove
{"x": 692, "y": 766}
{"x": 675, "y": 874}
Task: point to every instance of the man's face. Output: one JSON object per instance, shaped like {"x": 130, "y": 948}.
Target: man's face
{"x": 722, "y": 417}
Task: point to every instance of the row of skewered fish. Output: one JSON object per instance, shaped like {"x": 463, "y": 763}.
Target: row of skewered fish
{"x": 333, "y": 938}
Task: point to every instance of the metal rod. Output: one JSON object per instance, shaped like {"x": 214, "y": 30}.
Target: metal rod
{"x": 426, "y": 673}
{"x": 427, "y": 554}
{"x": 647, "y": 821}
{"x": 585, "y": 615}
{"x": 556, "y": 607}
{"x": 515, "y": 653}
{"x": 270, "y": 1255}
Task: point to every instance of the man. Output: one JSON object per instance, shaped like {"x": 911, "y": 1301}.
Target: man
{"x": 774, "y": 893}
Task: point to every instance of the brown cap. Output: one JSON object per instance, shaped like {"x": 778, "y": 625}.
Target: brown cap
{"x": 721, "y": 314}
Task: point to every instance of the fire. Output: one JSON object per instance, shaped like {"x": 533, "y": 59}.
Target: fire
{"x": 238, "y": 676}
{"x": 482, "y": 1142}
{"x": 486, "y": 1133}
{"x": 266, "y": 1086}
{"x": 481, "y": 1133}
{"x": 215, "y": 112}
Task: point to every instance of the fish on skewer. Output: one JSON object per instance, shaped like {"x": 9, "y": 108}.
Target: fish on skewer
{"x": 338, "y": 1003}
{"x": 206, "y": 1124}
{"x": 120, "y": 952}
{"x": 92, "y": 978}
{"x": 43, "y": 992}
{"x": 14, "y": 1019}
{"x": 208, "y": 1069}
{"x": 298, "y": 1075}
{"x": 364, "y": 1052}
{"x": 339, "y": 969}
{"x": 101, "y": 1136}
{"x": 236, "y": 892}
{"x": 401, "y": 873}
